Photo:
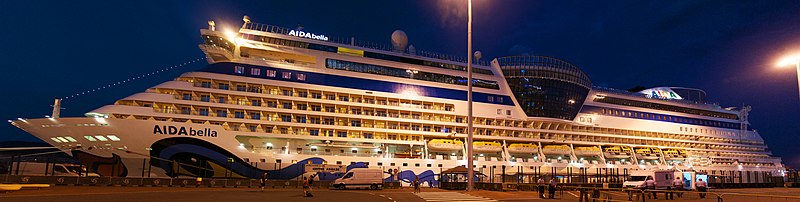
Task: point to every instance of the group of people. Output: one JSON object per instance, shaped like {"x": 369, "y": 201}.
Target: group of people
{"x": 551, "y": 187}
{"x": 416, "y": 184}
{"x": 677, "y": 184}
{"x": 308, "y": 182}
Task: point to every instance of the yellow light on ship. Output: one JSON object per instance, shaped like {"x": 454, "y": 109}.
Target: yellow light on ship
{"x": 231, "y": 35}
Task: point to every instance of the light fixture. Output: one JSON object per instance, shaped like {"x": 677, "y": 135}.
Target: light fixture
{"x": 789, "y": 60}
{"x": 231, "y": 36}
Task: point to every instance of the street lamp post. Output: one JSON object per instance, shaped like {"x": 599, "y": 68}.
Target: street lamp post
{"x": 797, "y": 67}
{"x": 470, "y": 166}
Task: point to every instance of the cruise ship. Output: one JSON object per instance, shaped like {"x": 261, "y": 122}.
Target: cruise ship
{"x": 293, "y": 102}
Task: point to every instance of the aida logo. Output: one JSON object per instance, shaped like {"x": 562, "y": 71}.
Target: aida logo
{"x": 174, "y": 130}
{"x": 661, "y": 93}
{"x": 664, "y": 95}
{"x": 308, "y": 35}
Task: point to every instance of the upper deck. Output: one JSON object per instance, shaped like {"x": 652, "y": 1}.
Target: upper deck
{"x": 365, "y": 45}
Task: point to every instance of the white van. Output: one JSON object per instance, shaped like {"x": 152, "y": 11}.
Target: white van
{"x": 663, "y": 178}
{"x": 360, "y": 177}
{"x": 637, "y": 178}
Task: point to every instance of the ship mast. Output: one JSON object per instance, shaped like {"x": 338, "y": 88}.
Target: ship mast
{"x": 56, "y": 108}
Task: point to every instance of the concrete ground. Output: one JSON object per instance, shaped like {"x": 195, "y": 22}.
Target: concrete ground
{"x": 180, "y": 194}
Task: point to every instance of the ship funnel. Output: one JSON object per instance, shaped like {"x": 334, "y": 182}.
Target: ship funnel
{"x": 56, "y": 108}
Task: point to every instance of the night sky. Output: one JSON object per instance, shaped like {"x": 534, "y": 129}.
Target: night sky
{"x": 728, "y": 48}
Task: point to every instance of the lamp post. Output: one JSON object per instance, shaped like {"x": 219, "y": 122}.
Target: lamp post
{"x": 470, "y": 166}
{"x": 792, "y": 60}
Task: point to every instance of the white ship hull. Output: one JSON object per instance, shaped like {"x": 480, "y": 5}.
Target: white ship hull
{"x": 142, "y": 139}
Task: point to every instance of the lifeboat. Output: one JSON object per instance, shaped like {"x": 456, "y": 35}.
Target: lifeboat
{"x": 675, "y": 154}
{"x": 588, "y": 151}
{"x": 556, "y": 150}
{"x": 486, "y": 147}
{"x": 617, "y": 152}
{"x": 523, "y": 148}
{"x": 445, "y": 145}
{"x": 647, "y": 153}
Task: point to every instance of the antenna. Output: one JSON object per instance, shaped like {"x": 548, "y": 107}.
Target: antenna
{"x": 56, "y": 108}
{"x": 212, "y": 25}
{"x": 246, "y": 20}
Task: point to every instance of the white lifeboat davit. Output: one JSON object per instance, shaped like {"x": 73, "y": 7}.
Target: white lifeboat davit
{"x": 556, "y": 150}
{"x": 445, "y": 145}
{"x": 675, "y": 154}
{"x": 487, "y": 147}
{"x": 523, "y": 148}
{"x": 617, "y": 152}
{"x": 588, "y": 151}
{"x": 648, "y": 153}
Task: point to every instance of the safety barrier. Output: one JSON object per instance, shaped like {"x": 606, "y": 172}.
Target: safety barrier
{"x": 164, "y": 182}
{"x": 643, "y": 195}
{"x": 152, "y": 182}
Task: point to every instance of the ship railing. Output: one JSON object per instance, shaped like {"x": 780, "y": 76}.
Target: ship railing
{"x": 257, "y": 59}
{"x": 211, "y": 47}
{"x": 263, "y": 91}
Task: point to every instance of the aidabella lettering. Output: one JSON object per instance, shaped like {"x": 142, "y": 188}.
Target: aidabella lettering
{"x": 174, "y": 130}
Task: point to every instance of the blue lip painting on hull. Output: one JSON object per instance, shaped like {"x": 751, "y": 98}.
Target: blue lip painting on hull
{"x": 165, "y": 149}
{"x": 408, "y": 176}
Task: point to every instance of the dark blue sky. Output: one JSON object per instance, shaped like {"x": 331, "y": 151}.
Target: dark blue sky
{"x": 728, "y": 48}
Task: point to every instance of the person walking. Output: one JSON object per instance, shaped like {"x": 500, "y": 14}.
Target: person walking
{"x": 198, "y": 181}
{"x": 552, "y": 187}
{"x": 306, "y": 189}
{"x": 677, "y": 185}
{"x": 540, "y": 186}
{"x": 415, "y": 184}
{"x": 311, "y": 181}
{"x": 702, "y": 187}
{"x": 263, "y": 182}
{"x": 650, "y": 184}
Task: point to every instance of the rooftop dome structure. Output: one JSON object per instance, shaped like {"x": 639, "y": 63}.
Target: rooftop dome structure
{"x": 546, "y": 86}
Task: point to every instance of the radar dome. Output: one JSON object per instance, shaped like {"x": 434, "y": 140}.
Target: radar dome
{"x": 477, "y": 55}
{"x": 399, "y": 40}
